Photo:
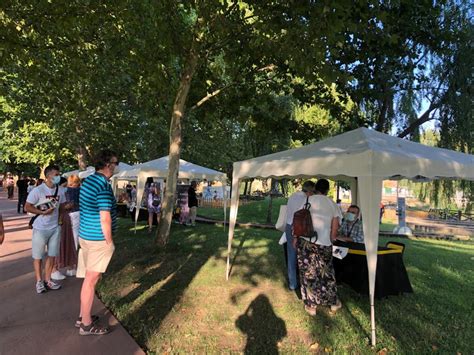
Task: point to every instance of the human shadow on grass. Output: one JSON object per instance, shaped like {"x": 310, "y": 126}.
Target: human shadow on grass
{"x": 163, "y": 278}
{"x": 264, "y": 329}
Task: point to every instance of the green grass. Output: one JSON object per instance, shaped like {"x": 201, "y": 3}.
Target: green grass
{"x": 254, "y": 212}
{"x": 387, "y": 227}
{"x": 176, "y": 300}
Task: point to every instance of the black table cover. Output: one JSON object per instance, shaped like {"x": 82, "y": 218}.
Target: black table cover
{"x": 391, "y": 278}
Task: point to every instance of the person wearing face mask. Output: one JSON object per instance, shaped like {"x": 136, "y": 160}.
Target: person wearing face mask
{"x": 98, "y": 222}
{"x": 351, "y": 227}
{"x": 44, "y": 202}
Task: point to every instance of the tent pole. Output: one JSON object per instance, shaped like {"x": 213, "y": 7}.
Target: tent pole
{"x": 372, "y": 319}
{"x": 370, "y": 193}
{"x": 224, "y": 184}
{"x": 234, "y": 206}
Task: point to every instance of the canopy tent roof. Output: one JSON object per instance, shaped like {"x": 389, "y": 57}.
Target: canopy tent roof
{"x": 91, "y": 170}
{"x": 72, "y": 172}
{"x": 361, "y": 152}
{"x": 364, "y": 158}
{"x": 159, "y": 168}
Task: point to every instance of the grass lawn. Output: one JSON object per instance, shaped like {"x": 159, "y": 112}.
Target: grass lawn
{"x": 254, "y": 212}
{"x": 177, "y": 300}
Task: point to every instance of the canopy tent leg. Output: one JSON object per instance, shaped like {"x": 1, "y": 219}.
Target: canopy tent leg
{"x": 234, "y": 206}
{"x": 370, "y": 194}
{"x": 354, "y": 192}
{"x": 224, "y": 191}
{"x": 140, "y": 191}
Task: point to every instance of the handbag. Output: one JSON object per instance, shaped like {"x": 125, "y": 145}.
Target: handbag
{"x": 156, "y": 201}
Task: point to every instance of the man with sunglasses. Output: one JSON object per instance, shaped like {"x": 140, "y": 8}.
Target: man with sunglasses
{"x": 98, "y": 221}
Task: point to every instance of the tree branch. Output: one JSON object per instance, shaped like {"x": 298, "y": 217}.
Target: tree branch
{"x": 425, "y": 117}
{"x": 218, "y": 91}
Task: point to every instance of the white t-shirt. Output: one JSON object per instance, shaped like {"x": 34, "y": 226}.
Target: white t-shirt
{"x": 295, "y": 203}
{"x": 42, "y": 193}
{"x": 323, "y": 210}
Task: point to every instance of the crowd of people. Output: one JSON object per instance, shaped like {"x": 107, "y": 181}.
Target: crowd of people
{"x": 73, "y": 228}
{"x": 309, "y": 258}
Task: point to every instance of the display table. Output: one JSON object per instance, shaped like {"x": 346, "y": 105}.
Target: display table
{"x": 391, "y": 279}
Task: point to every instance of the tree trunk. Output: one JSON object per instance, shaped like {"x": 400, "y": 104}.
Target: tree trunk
{"x": 270, "y": 203}
{"x": 245, "y": 187}
{"x": 177, "y": 116}
{"x": 283, "y": 184}
{"x": 81, "y": 158}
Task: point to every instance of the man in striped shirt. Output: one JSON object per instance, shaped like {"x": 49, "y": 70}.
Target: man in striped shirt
{"x": 98, "y": 221}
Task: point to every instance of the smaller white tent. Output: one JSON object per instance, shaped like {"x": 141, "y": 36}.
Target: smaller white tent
{"x": 91, "y": 170}
{"x": 158, "y": 168}
{"x": 72, "y": 172}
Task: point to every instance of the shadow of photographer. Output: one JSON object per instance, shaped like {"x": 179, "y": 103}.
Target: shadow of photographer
{"x": 264, "y": 329}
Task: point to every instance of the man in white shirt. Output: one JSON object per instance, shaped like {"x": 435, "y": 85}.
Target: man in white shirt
{"x": 295, "y": 202}
{"x": 44, "y": 201}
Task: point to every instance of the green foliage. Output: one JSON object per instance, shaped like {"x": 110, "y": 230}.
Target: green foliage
{"x": 270, "y": 75}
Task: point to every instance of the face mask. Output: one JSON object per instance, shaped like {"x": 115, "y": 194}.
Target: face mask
{"x": 350, "y": 216}
{"x": 56, "y": 180}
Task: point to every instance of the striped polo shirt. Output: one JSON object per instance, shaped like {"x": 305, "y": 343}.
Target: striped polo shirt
{"x": 96, "y": 195}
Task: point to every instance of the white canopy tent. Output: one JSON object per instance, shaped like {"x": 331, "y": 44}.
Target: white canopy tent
{"x": 91, "y": 170}
{"x": 72, "y": 172}
{"x": 364, "y": 158}
{"x": 158, "y": 168}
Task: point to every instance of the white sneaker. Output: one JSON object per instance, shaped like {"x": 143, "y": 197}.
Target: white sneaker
{"x": 71, "y": 272}
{"x": 57, "y": 275}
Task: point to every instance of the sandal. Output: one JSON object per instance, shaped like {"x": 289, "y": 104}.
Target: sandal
{"x": 94, "y": 318}
{"x": 93, "y": 329}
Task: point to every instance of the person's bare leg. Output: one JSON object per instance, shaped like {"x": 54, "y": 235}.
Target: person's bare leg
{"x": 48, "y": 268}
{"x": 37, "y": 266}
{"x": 150, "y": 220}
{"x": 87, "y": 296}
{"x": 54, "y": 264}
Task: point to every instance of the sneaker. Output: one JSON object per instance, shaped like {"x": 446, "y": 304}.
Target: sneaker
{"x": 93, "y": 329}
{"x": 57, "y": 275}
{"x": 51, "y": 285}
{"x": 94, "y": 318}
{"x": 40, "y": 287}
{"x": 336, "y": 307}
{"x": 71, "y": 272}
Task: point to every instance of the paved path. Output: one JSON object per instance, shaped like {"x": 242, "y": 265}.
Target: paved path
{"x": 44, "y": 324}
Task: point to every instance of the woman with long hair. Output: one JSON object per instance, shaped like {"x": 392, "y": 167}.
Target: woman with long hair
{"x": 153, "y": 201}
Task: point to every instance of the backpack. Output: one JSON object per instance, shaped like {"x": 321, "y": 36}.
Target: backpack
{"x": 303, "y": 223}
